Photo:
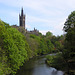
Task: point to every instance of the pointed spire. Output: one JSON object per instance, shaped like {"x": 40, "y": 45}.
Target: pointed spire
{"x": 22, "y": 12}
{"x": 34, "y": 28}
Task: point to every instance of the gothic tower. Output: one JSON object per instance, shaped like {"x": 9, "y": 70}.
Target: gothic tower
{"x": 22, "y": 19}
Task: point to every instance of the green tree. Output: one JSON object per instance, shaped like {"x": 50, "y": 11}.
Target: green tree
{"x": 70, "y": 22}
{"x": 69, "y": 50}
{"x": 14, "y": 49}
{"x": 70, "y": 44}
{"x": 33, "y": 42}
{"x": 49, "y": 34}
{"x": 14, "y": 44}
{"x": 43, "y": 49}
{"x": 58, "y": 45}
{"x": 69, "y": 47}
{"x": 50, "y": 46}
{"x": 4, "y": 67}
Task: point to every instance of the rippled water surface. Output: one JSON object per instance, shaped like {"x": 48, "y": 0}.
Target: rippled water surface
{"x": 37, "y": 66}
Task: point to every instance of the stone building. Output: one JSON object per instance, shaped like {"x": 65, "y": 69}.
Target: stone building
{"x": 22, "y": 26}
{"x": 35, "y": 32}
{"x": 22, "y": 19}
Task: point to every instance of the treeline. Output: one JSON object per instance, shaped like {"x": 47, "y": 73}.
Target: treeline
{"x": 67, "y": 57}
{"x": 44, "y": 44}
{"x": 17, "y": 46}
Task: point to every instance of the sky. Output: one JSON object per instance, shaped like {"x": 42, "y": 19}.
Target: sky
{"x": 44, "y": 15}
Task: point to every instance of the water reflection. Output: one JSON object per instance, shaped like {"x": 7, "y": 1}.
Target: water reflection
{"x": 37, "y": 66}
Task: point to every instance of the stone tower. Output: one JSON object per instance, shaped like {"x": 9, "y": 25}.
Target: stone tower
{"x": 22, "y": 19}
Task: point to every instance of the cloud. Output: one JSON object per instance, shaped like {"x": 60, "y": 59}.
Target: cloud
{"x": 46, "y": 15}
{"x": 42, "y": 6}
{"x": 36, "y": 19}
{"x": 58, "y": 29}
{"x": 45, "y": 31}
{"x": 28, "y": 26}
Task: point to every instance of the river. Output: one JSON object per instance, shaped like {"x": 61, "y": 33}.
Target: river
{"x": 37, "y": 66}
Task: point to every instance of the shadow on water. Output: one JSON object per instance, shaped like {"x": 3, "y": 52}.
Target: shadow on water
{"x": 37, "y": 66}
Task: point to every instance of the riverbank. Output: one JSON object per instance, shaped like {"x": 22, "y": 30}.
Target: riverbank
{"x": 59, "y": 63}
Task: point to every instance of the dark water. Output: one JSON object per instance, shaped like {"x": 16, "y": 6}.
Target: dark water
{"x": 37, "y": 66}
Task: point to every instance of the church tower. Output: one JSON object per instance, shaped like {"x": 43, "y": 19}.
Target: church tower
{"x": 22, "y": 19}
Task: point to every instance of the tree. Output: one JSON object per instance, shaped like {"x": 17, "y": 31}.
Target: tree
{"x": 14, "y": 49}
{"x": 70, "y": 22}
{"x": 43, "y": 49}
{"x": 58, "y": 46}
{"x": 15, "y": 46}
{"x": 70, "y": 36}
{"x": 4, "y": 67}
{"x": 49, "y": 34}
{"x": 50, "y": 46}
{"x": 69, "y": 46}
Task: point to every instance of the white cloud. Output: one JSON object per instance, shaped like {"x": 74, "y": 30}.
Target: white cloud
{"x": 58, "y": 29}
{"x": 36, "y": 19}
{"x": 53, "y": 12}
{"x": 45, "y": 31}
{"x": 28, "y": 26}
{"x": 43, "y": 6}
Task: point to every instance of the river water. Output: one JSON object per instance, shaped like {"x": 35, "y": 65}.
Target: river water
{"x": 37, "y": 66}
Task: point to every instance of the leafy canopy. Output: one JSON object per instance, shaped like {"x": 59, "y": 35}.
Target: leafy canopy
{"x": 70, "y": 22}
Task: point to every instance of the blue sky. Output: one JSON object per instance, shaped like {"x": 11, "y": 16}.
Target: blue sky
{"x": 44, "y": 15}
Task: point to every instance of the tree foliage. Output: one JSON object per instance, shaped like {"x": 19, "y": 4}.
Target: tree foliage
{"x": 70, "y": 37}
{"x": 16, "y": 46}
{"x": 12, "y": 49}
{"x": 70, "y": 44}
{"x": 70, "y": 22}
{"x": 49, "y": 33}
{"x": 69, "y": 47}
{"x": 56, "y": 61}
{"x": 50, "y": 46}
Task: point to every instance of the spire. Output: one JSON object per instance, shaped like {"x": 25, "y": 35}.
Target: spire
{"x": 22, "y": 19}
{"x": 22, "y": 12}
{"x": 34, "y": 28}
